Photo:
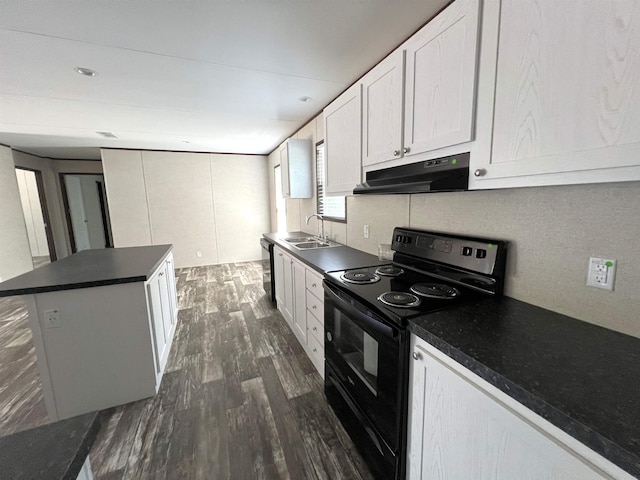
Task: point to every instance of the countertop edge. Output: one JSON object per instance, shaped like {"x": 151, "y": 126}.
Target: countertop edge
{"x": 85, "y": 447}
{"x": 91, "y": 283}
{"x": 278, "y": 239}
{"x": 576, "y": 429}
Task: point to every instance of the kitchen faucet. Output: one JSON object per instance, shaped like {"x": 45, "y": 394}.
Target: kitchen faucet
{"x": 321, "y": 218}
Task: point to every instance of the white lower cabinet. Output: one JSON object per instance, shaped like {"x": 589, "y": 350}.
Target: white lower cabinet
{"x": 161, "y": 292}
{"x": 299, "y": 324}
{"x": 85, "y": 473}
{"x": 299, "y": 296}
{"x": 284, "y": 283}
{"x": 315, "y": 320}
{"x": 461, "y": 427}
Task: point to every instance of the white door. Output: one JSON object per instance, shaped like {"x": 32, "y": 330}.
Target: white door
{"x": 77, "y": 213}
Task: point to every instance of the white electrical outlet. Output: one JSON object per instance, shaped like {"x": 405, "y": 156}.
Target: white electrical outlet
{"x": 366, "y": 231}
{"x": 51, "y": 318}
{"x": 199, "y": 254}
{"x": 602, "y": 273}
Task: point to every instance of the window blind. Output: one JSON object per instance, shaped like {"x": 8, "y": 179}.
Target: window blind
{"x": 328, "y": 206}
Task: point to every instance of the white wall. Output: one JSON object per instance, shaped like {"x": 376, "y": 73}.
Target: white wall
{"x": 214, "y": 204}
{"x": 15, "y": 254}
{"x": 50, "y": 177}
{"x": 32, "y": 212}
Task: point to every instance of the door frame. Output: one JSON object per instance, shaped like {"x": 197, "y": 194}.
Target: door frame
{"x": 45, "y": 211}
{"x": 67, "y": 211}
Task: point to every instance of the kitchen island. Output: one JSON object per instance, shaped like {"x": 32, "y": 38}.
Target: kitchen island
{"x": 102, "y": 322}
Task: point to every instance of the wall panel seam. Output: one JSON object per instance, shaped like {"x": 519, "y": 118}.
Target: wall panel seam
{"x": 146, "y": 196}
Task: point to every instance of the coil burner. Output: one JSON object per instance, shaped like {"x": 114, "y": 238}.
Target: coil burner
{"x": 399, "y": 299}
{"x": 389, "y": 271}
{"x": 360, "y": 277}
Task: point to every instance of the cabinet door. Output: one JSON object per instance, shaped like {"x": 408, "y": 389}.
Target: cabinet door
{"x": 440, "y": 80}
{"x": 155, "y": 296}
{"x": 457, "y": 430}
{"x": 284, "y": 171}
{"x": 565, "y": 97}
{"x": 284, "y": 286}
{"x": 343, "y": 142}
{"x": 165, "y": 302}
{"x": 299, "y": 302}
{"x": 382, "y": 107}
{"x": 171, "y": 286}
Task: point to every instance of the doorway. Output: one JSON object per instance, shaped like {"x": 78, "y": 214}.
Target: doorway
{"x": 86, "y": 211}
{"x": 36, "y": 216}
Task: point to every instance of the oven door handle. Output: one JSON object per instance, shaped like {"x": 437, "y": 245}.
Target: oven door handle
{"x": 357, "y": 315}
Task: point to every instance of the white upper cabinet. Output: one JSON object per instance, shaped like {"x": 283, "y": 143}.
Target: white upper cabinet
{"x": 382, "y": 107}
{"x": 559, "y": 79}
{"x": 440, "y": 80}
{"x": 295, "y": 167}
{"x": 342, "y": 142}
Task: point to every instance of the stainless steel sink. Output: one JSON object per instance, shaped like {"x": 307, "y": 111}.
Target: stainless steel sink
{"x": 314, "y": 244}
{"x": 300, "y": 239}
{"x": 306, "y": 243}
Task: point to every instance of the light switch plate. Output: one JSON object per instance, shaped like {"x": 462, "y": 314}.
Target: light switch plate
{"x": 602, "y": 273}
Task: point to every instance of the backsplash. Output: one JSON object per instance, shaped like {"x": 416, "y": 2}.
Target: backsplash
{"x": 552, "y": 233}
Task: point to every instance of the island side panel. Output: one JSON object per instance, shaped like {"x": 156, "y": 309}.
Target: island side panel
{"x": 101, "y": 355}
{"x": 41, "y": 355}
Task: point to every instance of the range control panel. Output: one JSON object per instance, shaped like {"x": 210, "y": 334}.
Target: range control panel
{"x": 476, "y": 254}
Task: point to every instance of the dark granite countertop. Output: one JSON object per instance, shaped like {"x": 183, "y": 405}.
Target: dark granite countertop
{"x": 325, "y": 259}
{"x": 51, "y": 452}
{"x": 582, "y": 378}
{"x": 89, "y": 268}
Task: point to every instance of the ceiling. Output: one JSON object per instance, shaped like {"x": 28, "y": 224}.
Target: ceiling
{"x": 191, "y": 75}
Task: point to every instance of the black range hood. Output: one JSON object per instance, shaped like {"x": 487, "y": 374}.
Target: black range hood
{"x": 445, "y": 174}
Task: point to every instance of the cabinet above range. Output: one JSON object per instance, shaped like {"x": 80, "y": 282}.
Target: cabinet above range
{"x": 488, "y": 78}
{"x": 414, "y": 105}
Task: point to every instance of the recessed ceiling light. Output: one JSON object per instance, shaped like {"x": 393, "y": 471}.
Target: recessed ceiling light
{"x": 305, "y": 99}
{"x": 87, "y": 72}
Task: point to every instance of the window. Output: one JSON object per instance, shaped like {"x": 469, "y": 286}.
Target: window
{"x": 331, "y": 207}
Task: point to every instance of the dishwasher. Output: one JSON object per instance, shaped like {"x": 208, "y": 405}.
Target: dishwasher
{"x": 268, "y": 281}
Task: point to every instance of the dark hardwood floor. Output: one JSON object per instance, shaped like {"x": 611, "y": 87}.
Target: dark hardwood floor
{"x": 21, "y": 401}
{"x": 239, "y": 399}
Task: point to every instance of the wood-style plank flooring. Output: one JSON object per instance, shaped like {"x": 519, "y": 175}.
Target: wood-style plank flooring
{"x": 21, "y": 401}
{"x": 239, "y": 399}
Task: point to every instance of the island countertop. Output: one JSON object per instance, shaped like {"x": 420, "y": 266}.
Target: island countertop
{"x": 55, "y": 451}
{"x": 89, "y": 268}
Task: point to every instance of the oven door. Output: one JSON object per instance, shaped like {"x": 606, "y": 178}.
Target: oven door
{"x": 365, "y": 353}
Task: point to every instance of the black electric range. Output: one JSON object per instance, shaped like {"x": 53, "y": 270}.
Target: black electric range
{"x": 366, "y": 338}
{"x": 430, "y": 272}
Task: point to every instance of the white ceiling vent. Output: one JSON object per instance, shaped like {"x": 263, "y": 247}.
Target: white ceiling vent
{"x": 107, "y": 134}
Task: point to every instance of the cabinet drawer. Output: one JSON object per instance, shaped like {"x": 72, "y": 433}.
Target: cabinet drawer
{"x": 314, "y": 284}
{"x": 316, "y": 353}
{"x": 315, "y": 326}
{"x": 315, "y": 306}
